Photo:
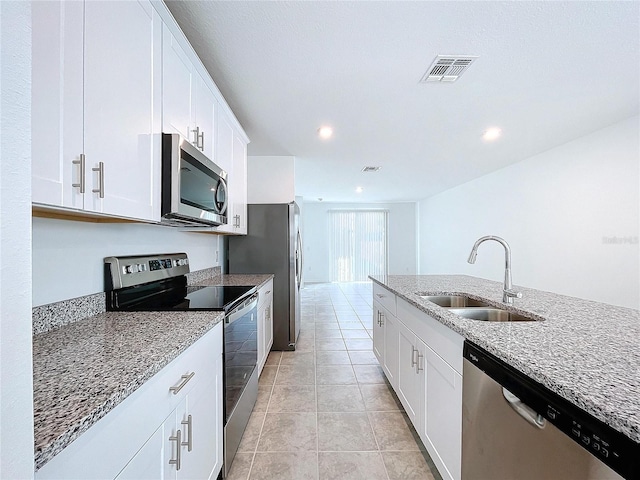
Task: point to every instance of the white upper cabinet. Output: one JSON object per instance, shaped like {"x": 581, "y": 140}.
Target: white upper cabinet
{"x": 188, "y": 104}
{"x": 177, "y": 87}
{"x": 239, "y": 184}
{"x": 57, "y": 104}
{"x": 96, "y": 107}
{"x": 122, "y": 107}
{"x": 205, "y": 111}
{"x": 108, "y": 78}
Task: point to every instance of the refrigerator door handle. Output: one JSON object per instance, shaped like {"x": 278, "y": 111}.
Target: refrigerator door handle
{"x": 299, "y": 259}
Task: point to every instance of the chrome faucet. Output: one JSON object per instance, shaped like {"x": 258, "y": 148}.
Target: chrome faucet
{"x": 507, "y": 292}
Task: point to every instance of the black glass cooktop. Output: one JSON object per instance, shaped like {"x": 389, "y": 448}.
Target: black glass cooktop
{"x": 170, "y": 295}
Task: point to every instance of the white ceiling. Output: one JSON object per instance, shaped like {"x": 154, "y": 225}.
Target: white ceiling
{"x": 547, "y": 73}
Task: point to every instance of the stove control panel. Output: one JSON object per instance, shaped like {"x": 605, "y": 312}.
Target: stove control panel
{"x": 129, "y": 271}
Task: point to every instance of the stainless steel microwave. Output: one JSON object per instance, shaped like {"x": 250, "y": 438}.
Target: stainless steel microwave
{"x": 194, "y": 189}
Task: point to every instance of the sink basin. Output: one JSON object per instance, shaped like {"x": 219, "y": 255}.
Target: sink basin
{"x": 454, "y": 301}
{"x": 491, "y": 315}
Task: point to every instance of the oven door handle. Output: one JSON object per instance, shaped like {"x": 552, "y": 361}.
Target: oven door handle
{"x": 239, "y": 311}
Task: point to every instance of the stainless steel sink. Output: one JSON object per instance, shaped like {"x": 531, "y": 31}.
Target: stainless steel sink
{"x": 491, "y": 315}
{"x": 454, "y": 301}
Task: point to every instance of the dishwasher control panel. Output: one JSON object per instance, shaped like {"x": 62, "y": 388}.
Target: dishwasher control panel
{"x": 613, "y": 448}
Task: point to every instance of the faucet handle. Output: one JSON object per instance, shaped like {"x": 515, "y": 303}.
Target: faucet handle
{"x": 512, "y": 294}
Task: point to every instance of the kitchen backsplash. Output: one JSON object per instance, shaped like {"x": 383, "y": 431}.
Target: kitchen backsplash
{"x": 57, "y": 314}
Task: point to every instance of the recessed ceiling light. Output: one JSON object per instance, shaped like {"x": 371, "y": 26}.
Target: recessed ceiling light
{"x": 359, "y": 189}
{"x": 491, "y": 134}
{"x": 325, "y": 132}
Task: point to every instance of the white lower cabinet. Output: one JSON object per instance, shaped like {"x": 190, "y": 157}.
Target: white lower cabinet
{"x": 138, "y": 439}
{"x": 411, "y": 348}
{"x": 385, "y": 341}
{"x": 442, "y": 427}
{"x": 411, "y": 373}
{"x": 378, "y": 333}
{"x": 144, "y": 465}
{"x": 265, "y": 323}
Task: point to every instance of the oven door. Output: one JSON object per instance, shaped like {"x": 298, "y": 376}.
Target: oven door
{"x": 194, "y": 189}
{"x": 240, "y": 351}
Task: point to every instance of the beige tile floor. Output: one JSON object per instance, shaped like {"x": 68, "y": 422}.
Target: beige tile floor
{"x": 325, "y": 411}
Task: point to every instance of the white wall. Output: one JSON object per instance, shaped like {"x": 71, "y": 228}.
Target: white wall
{"x": 270, "y": 179}
{"x": 16, "y": 372}
{"x": 68, "y": 256}
{"x": 558, "y": 211}
{"x": 402, "y": 237}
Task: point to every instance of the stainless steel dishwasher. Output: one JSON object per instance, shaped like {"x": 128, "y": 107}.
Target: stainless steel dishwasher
{"x": 516, "y": 429}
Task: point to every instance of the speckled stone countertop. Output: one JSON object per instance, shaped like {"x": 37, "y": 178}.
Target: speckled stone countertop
{"x": 237, "y": 279}
{"x": 84, "y": 369}
{"x": 587, "y": 352}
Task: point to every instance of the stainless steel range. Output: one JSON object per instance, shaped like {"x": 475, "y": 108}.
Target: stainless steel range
{"x": 159, "y": 283}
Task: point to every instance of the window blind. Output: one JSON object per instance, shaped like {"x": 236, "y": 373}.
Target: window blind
{"x": 358, "y": 244}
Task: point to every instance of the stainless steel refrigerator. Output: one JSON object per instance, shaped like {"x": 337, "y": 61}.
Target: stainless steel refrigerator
{"x": 273, "y": 245}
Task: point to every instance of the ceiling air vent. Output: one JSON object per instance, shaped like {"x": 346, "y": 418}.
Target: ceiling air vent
{"x": 447, "y": 68}
{"x": 371, "y": 169}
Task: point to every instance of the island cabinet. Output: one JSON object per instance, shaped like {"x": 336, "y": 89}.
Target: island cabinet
{"x": 422, "y": 360}
{"x": 265, "y": 323}
{"x": 96, "y": 104}
{"x": 170, "y": 428}
{"x": 386, "y": 333}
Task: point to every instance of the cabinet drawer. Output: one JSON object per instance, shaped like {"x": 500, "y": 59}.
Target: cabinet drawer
{"x": 385, "y": 297}
{"x": 104, "y": 449}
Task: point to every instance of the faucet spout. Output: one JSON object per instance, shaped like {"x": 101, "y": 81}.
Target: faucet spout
{"x": 508, "y": 293}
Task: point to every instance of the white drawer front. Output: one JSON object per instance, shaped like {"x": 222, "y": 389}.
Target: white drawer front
{"x": 385, "y": 297}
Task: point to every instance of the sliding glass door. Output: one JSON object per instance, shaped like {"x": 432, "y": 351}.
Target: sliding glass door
{"x": 358, "y": 244}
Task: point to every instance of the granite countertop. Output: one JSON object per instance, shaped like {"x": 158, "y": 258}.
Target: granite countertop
{"x": 84, "y": 369}
{"x": 237, "y": 279}
{"x": 585, "y": 351}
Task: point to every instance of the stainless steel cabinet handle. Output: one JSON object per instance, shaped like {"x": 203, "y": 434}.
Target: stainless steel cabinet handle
{"x": 379, "y": 295}
{"x": 381, "y": 319}
{"x": 80, "y": 162}
{"x": 201, "y": 139}
{"x": 185, "y": 380}
{"x": 178, "y": 440}
{"x": 187, "y": 423}
{"x": 418, "y": 367}
{"x": 268, "y": 292}
{"x": 100, "y": 170}
{"x": 414, "y": 362}
{"x": 196, "y": 136}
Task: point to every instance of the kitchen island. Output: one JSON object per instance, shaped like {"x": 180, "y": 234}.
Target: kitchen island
{"x": 585, "y": 352}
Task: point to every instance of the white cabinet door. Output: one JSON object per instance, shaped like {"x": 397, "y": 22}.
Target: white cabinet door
{"x": 224, "y": 142}
{"x": 56, "y": 103}
{"x": 204, "y": 109}
{"x": 122, "y": 107}
{"x": 201, "y": 426}
{"x": 224, "y": 159}
{"x": 147, "y": 463}
{"x": 239, "y": 184}
{"x": 411, "y": 373}
{"x": 378, "y": 333}
{"x": 391, "y": 346}
{"x": 443, "y": 420}
{"x": 177, "y": 82}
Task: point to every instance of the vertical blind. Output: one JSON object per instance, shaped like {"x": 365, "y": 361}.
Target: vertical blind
{"x": 358, "y": 244}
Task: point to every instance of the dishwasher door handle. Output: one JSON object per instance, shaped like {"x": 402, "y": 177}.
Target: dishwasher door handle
{"x": 524, "y": 410}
